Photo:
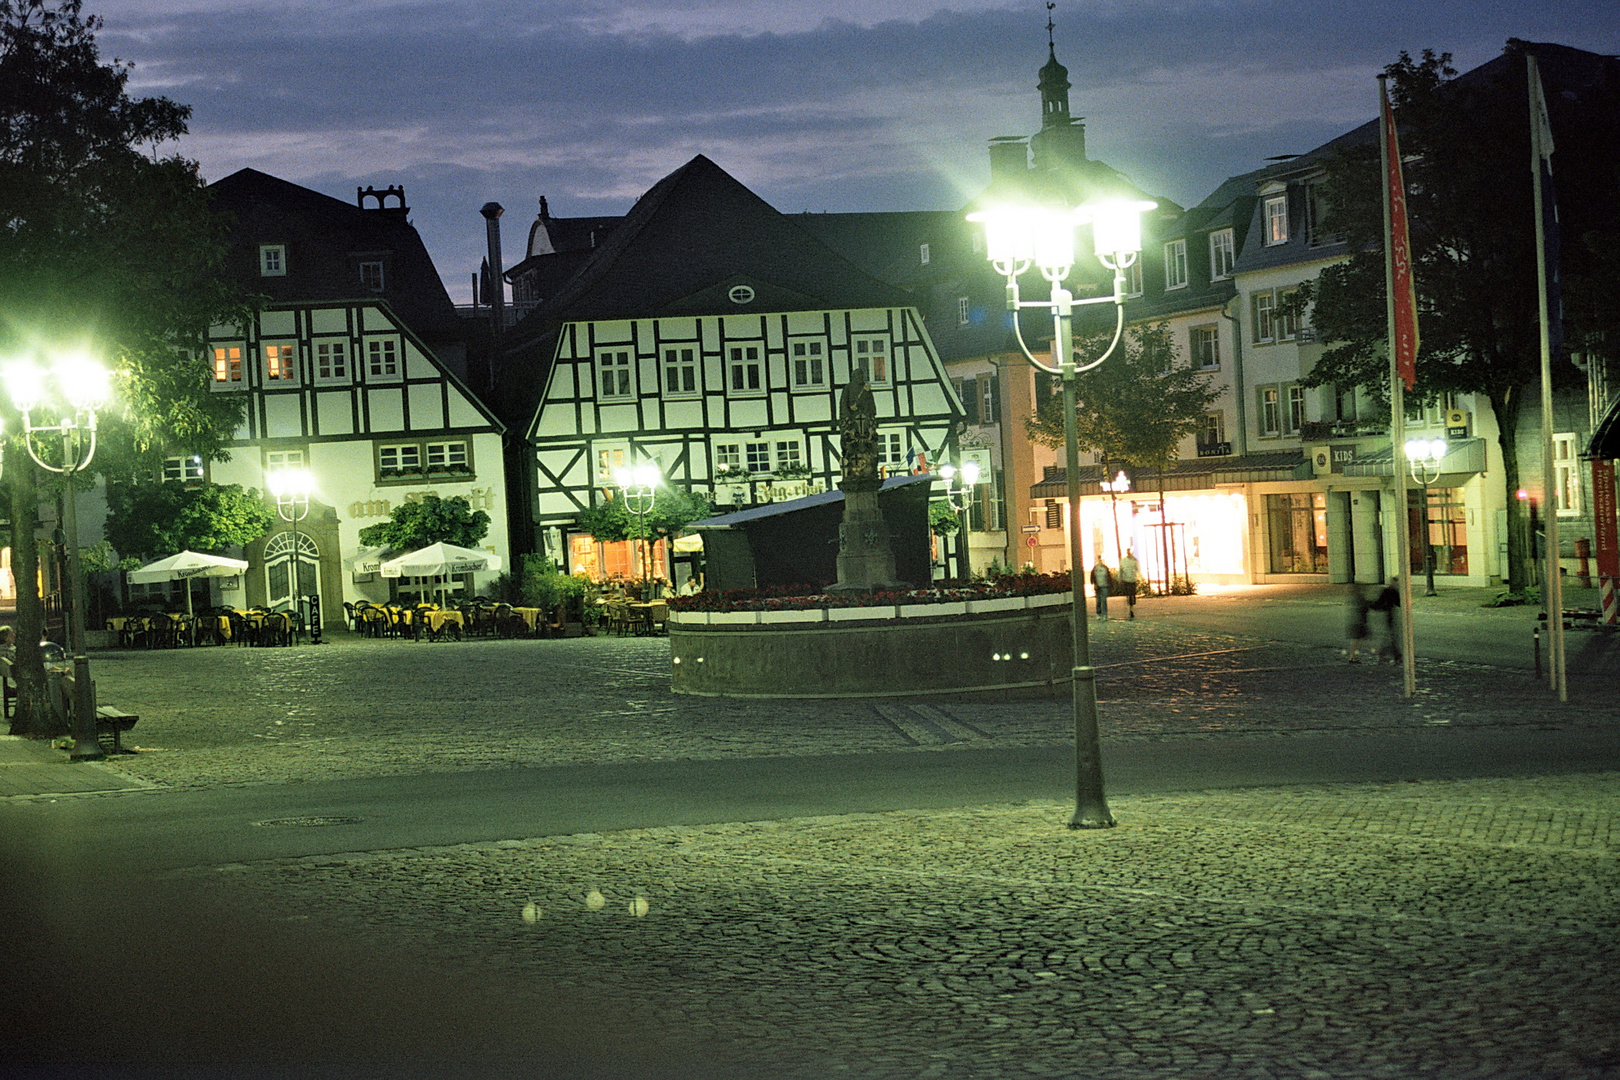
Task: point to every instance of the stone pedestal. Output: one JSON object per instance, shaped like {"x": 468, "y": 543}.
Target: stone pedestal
{"x": 865, "y": 559}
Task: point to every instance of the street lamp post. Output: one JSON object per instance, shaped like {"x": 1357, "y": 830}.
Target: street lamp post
{"x": 637, "y": 484}
{"x": 1423, "y": 457}
{"x": 83, "y": 386}
{"x": 291, "y": 488}
{"x": 1017, "y": 238}
{"x": 956, "y": 497}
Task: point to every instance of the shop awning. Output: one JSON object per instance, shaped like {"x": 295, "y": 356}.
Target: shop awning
{"x": 1191, "y": 474}
{"x": 1464, "y": 457}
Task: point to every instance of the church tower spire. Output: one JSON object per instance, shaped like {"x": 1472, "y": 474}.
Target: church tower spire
{"x": 1062, "y": 138}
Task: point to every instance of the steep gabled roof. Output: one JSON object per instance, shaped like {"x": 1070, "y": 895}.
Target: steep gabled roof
{"x": 326, "y": 239}
{"x": 696, "y": 230}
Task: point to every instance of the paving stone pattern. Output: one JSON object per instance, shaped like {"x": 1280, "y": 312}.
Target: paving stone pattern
{"x": 1461, "y": 929}
{"x": 365, "y": 708}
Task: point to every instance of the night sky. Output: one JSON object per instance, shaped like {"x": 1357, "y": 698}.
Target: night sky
{"x": 837, "y": 105}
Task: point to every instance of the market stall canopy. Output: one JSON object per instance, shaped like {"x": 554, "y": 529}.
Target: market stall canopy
{"x": 183, "y": 567}
{"x": 440, "y": 558}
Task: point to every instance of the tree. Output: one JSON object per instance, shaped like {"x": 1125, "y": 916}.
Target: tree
{"x": 672, "y": 510}
{"x": 1466, "y": 149}
{"x": 105, "y": 246}
{"x": 429, "y": 520}
{"x": 146, "y": 521}
{"x": 1136, "y": 407}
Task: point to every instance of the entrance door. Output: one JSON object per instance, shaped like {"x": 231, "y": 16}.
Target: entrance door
{"x": 278, "y": 563}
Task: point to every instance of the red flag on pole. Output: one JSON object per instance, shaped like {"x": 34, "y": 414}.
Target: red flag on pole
{"x": 1400, "y": 253}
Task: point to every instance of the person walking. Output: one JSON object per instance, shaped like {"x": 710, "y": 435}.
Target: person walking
{"x": 1355, "y": 621}
{"x": 1100, "y": 577}
{"x": 1129, "y": 571}
{"x": 1388, "y": 601}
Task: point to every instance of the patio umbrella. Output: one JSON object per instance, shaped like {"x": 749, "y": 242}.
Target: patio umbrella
{"x": 440, "y": 558}
{"x": 185, "y": 566}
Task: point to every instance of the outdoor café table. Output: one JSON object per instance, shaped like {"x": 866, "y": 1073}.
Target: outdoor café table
{"x": 437, "y": 620}
{"x": 529, "y": 615}
{"x": 127, "y": 627}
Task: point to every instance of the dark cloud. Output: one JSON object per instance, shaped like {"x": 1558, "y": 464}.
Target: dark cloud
{"x": 470, "y": 102}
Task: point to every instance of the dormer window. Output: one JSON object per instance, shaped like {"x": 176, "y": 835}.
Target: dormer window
{"x": 1222, "y": 256}
{"x": 371, "y": 276}
{"x": 923, "y": 254}
{"x": 272, "y": 260}
{"x": 1276, "y": 211}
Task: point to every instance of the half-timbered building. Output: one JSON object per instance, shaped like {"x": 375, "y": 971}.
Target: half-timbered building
{"x": 710, "y": 334}
{"x": 352, "y": 371}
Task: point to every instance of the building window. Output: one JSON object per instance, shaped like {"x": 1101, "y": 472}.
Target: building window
{"x": 967, "y": 392}
{"x": 446, "y": 455}
{"x": 964, "y": 310}
{"x": 1270, "y": 411}
{"x": 1212, "y": 431}
{"x": 228, "y": 363}
{"x": 279, "y": 363}
{"x": 1222, "y": 255}
{"x": 809, "y": 362}
{"x": 277, "y": 460}
{"x": 1276, "y": 210}
{"x": 1133, "y": 279}
{"x": 272, "y": 260}
{"x": 892, "y": 451}
{"x": 1206, "y": 347}
{"x": 757, "y": 457}
{"x": 727, "y": 458}
{"x": 680, "y": 371}
{"x": 788, "y": 454}
{"x": 923, "y": 254}
{"x": 1175, "y": 265}
{"x": 613, "y": 371}
{"x": 183, "y": 469}
{"x": 1265, "y": 312}
{"x": 398, "y": 459}
{"x": 871, "y": 355}
{"x": 1054, "y": 514}
{"x": 610, "y": 458}
{"x": 382, "y": 357}
{"x": 1296, "y": 408}
{"x": 1296, "y": 523}
{"x": 1566, "y": 476}
{"x": 1344, "y": 402}
{"x": 747, "y": 374}
{"x": 371, "y": 276}
{"x": 331, "y": 360}
{"x": 1318, "y": 220}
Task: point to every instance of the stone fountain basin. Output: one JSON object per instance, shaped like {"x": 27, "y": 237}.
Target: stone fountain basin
{"x": 1021, "y": 645}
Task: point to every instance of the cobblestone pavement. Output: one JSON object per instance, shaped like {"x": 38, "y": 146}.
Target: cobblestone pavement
{"x": 1461, "y": 929}
{"x": 360, "y": 707}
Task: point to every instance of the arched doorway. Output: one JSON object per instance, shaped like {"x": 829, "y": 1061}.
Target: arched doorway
{"x": 278, "y": 563}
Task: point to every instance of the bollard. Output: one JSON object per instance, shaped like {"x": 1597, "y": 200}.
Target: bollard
{"x": 1537, "y": 635}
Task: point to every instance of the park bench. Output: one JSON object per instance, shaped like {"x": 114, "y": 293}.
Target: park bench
{"x": 111, "y": 723}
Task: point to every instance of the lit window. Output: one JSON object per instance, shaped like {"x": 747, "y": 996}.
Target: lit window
{"x": 680, "y": 371}
{"x": 747, "y": 373}
{"x": 371, "y": 276}
{"x": 331, "y": 360}
{"x": 272, "y": 260}
{"x": 1270, "y": 411}
{"x": 809, "y": 363}
{"x": 1276, "y": 209}
{"x": 1175, "y": 264}
{"x": 1222, "y": 256}
{"x": 279, "y": 365}
{"x": 609, "y": 460}
{"x": 613, "y": 368}
{"x": 227, "y": 363}
{"x": 382, "y": 357}
{"x": 872, "y": 356}
{"x": 1566, "y": 475}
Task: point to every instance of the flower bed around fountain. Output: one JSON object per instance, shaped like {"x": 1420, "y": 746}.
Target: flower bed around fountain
{"x": 1005, "y": 635}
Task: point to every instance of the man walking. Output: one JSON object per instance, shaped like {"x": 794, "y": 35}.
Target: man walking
{"x": 1100, "y": 576}
{"x": 1128, "y": 573}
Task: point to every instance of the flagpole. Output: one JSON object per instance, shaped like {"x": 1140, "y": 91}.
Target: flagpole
{"x": 1397, "y": 406}
{"x": 1540, "y": 156}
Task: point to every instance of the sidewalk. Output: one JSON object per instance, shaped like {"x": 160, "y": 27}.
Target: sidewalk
{"x": 35, "y": 767}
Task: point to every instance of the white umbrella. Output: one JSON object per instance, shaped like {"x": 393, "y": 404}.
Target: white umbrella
{"x": 183, "y": 567}
{"x": 440, "y": 558}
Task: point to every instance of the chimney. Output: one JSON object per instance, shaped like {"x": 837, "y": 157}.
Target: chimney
{"x": 1009, "y": 158}
{"x": 497, "y": 289}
